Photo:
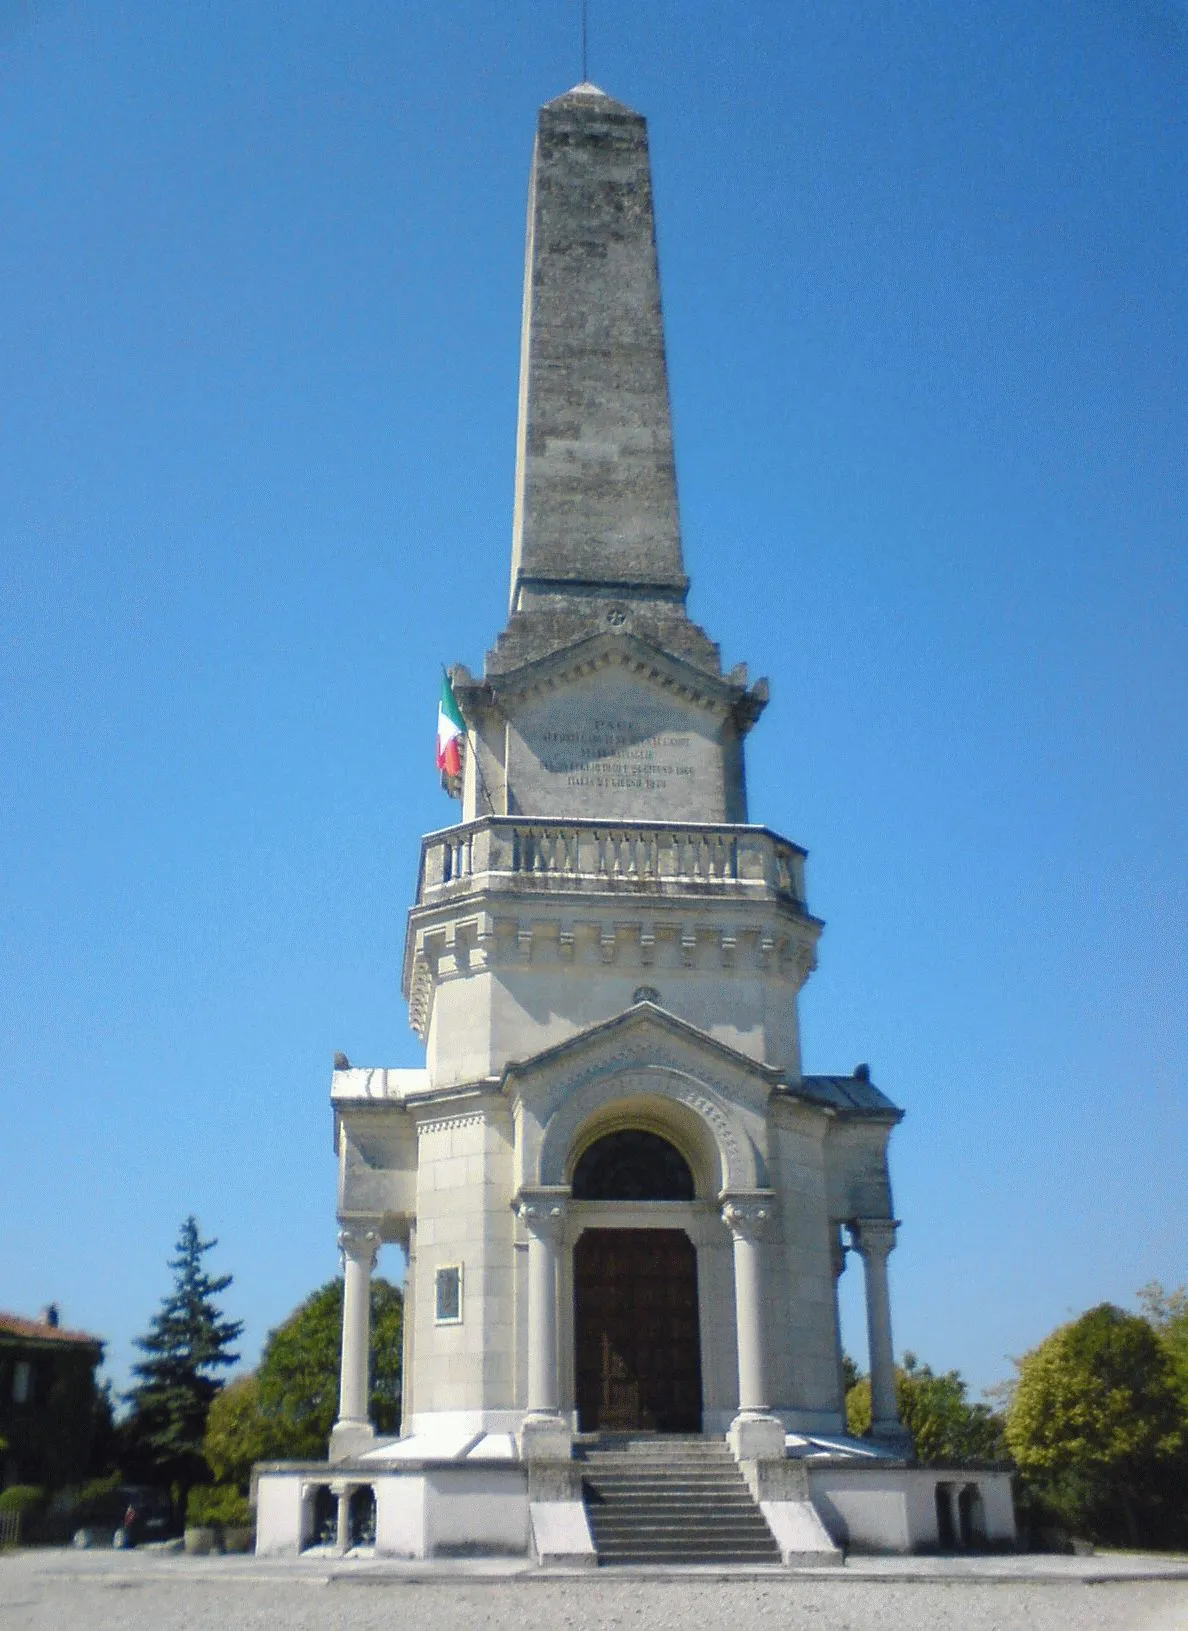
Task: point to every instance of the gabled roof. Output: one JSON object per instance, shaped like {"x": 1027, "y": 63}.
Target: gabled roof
{"x": 645, "y": 659}
{"x": 853, "y": 1097}
{"x": 40, "y": 1331}
{"x": 641, "y": 1016}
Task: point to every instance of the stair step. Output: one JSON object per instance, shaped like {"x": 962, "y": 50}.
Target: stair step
{"x": 665, "y": 1560}
{"x": 671, "y": 1501}
{"x": 717, "y": 1553}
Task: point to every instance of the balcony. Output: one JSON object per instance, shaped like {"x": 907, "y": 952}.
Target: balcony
{"x": 558, "y": 856}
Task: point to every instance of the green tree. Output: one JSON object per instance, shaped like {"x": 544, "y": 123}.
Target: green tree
{"x": 188, "y": 1343}
{"x": 1167, "y": 1313}
{"x": 286, "y": 1408}
{"x": 944, "y": 1425}
{"x": 238, "y": 1433}
{"x": 1097, "y": 1426}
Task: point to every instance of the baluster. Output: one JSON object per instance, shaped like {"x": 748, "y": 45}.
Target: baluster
{"x": 663, "y": 843}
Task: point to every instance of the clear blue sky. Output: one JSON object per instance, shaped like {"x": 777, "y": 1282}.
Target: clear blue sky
{"x": 924, "y": 280}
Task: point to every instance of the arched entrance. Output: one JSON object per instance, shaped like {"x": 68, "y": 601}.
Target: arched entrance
{"x": 637, "y": 1347}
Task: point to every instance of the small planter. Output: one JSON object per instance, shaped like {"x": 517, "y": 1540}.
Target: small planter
{"x": 200, "y": 1541}
{"x": 237, "y": 1539}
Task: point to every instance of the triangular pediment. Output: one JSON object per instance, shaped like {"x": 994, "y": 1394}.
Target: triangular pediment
{"x": 645, "y": 662}
{"x": 644, "y": 1034}
{"x": 679, "y": 1077}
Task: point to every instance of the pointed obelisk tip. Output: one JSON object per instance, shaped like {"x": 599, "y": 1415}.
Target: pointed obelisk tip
{"x": 586, "y": 92}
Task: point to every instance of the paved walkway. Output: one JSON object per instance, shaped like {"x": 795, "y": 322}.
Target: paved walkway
{"x": 64, "y": 1590}
{"x": 152, "y": 1563}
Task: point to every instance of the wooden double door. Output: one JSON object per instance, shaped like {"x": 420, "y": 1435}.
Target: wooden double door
{"x": 637, "y": 1336}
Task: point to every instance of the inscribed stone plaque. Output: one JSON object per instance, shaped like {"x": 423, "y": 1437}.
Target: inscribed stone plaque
{"x": 613, "y": 747}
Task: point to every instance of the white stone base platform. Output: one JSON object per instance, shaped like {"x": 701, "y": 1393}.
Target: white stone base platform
{"x": 464, "y": 1494}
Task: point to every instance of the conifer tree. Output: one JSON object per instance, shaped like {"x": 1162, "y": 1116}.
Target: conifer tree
{"x": 188, "y": 1343}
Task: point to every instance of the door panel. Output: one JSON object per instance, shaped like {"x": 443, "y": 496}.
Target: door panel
{"x": 637, "y": 1337}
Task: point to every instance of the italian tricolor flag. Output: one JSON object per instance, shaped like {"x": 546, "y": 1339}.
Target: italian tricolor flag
{"x": 450, "y": 731}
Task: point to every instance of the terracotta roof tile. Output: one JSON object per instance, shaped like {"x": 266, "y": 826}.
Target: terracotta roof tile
{"x": 14, "y": 1325}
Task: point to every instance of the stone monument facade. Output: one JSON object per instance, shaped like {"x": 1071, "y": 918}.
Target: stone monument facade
{"x": 624, "y": 1204}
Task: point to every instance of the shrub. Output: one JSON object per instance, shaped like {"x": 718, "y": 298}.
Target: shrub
{"x": 238, "y": 1433}
{"x": 23, "y": 1499}
{"x": 217, "y": 1506}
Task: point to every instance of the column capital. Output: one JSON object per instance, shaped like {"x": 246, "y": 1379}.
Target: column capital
{"x": 748, "y": 1215}
{"x": 361, "y": 1243}
{"x": 873, "y": 1237}
{"x": 837, "y": 1251}
{"x": 542, "y": 1211}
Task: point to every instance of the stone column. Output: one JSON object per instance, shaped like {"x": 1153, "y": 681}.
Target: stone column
{"x": 353, "y": 1431}
{"x": 342, "y": 1494}
{"x": 837, "y": 1259}
{"x": 408, "y": 1354}
{"x": 874, "y": 1240}
{"x": 545, "y": 1435}
{"x": 755, "y": 1434}
{"x": 959, "y": 1539}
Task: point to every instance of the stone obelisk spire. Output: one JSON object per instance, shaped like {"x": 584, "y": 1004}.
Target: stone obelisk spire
{"x": 596, "y": 500}
{"x": 596, "y": 504}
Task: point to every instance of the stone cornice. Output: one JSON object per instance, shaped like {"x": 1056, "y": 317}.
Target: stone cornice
{"x": 601, "y": 651}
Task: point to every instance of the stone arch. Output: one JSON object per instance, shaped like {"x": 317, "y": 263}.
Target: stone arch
{"x": 632, "y": 1164}
{"x": 659, "y": 1099}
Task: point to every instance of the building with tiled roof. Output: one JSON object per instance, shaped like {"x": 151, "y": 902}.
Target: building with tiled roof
{"x": 48, "y": 1398}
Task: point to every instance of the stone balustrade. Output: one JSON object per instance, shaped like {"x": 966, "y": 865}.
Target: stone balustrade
{"x": 510, "y": 852}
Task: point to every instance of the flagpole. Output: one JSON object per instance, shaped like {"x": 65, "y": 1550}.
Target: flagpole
{"x": 478, "y": 762}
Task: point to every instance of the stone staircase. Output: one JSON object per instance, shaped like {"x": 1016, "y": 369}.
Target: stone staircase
{"x": 670, "y": 1499}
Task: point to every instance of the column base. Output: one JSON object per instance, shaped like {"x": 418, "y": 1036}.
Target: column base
{"x": 756, "y": 1436}
{"x": 349, "y": 1439}
{"x": 546, "y": 1437}
{"x": 895, "y": 1436}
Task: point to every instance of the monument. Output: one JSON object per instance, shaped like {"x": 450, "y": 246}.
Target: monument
{"x": 623, "y": 1204}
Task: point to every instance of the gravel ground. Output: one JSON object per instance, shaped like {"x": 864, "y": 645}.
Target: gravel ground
{"x": 34, "y": 1596}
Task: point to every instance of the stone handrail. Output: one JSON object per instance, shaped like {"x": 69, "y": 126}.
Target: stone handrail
{"x": 593, "y": 856}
